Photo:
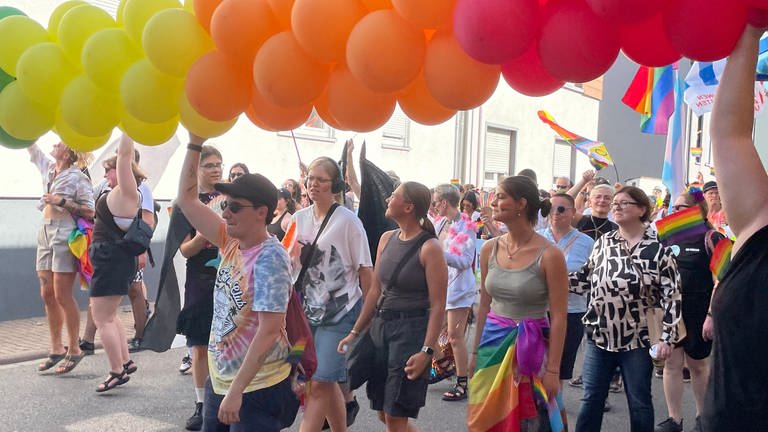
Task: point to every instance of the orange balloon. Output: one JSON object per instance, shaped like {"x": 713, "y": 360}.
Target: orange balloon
{"x": 419, "y": 105}
{"x": 239, "y": 27}
{"x": 274, "y": 118}
{"x": 282, "y": 11}
{"x": 426, "y": 13}
{"x": 373, "y": 5}
{"x": 321, "y": 108}
{"x": 322, "y": 27}
{"x": 285, "y": 75}
{"x": 204, "y": 12}
{"x": 456, "y": 80}
{"x": 385, "y": 52}
{"x": 218, "y": 88}
{"x": 354, "y": 105}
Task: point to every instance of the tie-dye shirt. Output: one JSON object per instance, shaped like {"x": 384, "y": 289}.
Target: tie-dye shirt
{"x": 247, "y": 282}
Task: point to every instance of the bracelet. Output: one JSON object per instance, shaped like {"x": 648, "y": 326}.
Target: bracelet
{"x": 354, "y": 332}
{"x": 195, "y": 147}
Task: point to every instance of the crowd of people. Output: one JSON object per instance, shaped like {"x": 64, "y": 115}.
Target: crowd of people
{"x": 581, "y": 259}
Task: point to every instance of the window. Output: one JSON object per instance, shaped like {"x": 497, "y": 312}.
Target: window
{"x": 394, "y": 134}
{"x": 314, "y": 128}
{"x": 500, "y": 150}
{"x": 563, "y": 160}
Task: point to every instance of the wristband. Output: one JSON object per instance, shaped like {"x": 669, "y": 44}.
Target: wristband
{"x": 62, "y": 202}
{"x": 354, "y": 332}
{"x": 195, "y": 147}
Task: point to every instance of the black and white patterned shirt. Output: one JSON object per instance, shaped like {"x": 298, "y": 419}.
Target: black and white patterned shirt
{"x": 616, "y": 314}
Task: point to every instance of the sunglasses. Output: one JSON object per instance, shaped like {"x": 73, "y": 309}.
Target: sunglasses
{"x": 678, "y": 207}
{"x": 562, "y": 209}
{"x": 235, "y": 175}
{"x": 234, "y": 207}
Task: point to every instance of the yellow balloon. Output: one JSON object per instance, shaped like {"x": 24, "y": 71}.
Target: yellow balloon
{"x": 199, "y": 125}
{"x": 150, "y": 95}
{"x": 44, "y": 71}
{"x": 79, "y": 24}
{"x": 136, "y": 14}
{"x": 106, "y": 57}
{"x": 74, "y": 140}
{"x": 18, "y": 33}
{"x": 148, "y": 133}
{"x": 21, "y": 117}
{"x": 173, "y": 40}
{"x": 189, "y": 6}
{"x": 58, "y": 14}
{"x": 119, "y": 15}
{"x": 88, "y": 109}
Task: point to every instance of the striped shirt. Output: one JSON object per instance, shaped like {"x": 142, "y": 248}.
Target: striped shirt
{"x": 70, "y": 184}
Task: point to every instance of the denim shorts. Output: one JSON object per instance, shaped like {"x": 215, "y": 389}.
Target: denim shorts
{"x": 332, "y": 366}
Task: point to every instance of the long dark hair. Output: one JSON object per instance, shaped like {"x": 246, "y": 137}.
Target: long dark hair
{"x": 418, "y": 195}
{"x": 523, "y": 187}
{"x": 296, "y": 194}
{"x": 290, "y": 204}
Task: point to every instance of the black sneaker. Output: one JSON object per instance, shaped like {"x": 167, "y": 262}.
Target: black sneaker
{"x": 134, "y": 345}
{"x": 686, "y": 375}
{"x": 186, "y": 365}
{"x": 576, "y": 382}
{"x": 195, "y": 423}
{"x": 87, "y": 347}
{"x": 669, "y": 425}
{"x": 352, "y": 409}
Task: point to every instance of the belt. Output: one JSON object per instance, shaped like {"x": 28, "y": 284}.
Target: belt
{"x": 390, "y": 315}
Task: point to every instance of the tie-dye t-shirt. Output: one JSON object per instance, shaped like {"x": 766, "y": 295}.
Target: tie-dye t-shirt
{"x": 247, "y": 282}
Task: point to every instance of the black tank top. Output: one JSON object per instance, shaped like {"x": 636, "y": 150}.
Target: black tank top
{"x": 276, "y": 228}
{"x": 104, "y": 226}
{"x": 410, "y": 290}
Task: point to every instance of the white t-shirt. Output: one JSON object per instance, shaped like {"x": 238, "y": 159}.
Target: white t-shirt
{"x": 331, "y": 284}
{"x": 147, "y": 200}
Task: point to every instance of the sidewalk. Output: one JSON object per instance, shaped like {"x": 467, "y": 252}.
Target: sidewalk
{"x": 28, "y": 339}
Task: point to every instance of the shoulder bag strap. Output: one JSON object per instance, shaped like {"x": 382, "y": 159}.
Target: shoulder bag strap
{"x": 424, "y": 236}
{"x": 314, "y": 243}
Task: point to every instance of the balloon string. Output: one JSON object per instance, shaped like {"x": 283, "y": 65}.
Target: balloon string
{"x": 296, "y": 146}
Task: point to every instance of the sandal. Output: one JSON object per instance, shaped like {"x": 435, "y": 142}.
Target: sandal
{"x": 130, "y": 367}
{"x": 114, "y": 380}
{"x": 70, "y": 361}
{"x": 441, "y": 369}
{"x": 457, "y": 393}
{"x": 51, "y": 361}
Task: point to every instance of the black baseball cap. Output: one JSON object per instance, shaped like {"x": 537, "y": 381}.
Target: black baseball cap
{"x": 253, "y": 187}
{"x": 709, "y": 185}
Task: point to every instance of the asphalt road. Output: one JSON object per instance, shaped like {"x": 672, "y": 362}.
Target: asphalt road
{"x": 158, "y": 399}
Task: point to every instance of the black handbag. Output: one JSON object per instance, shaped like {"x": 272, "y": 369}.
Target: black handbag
{"x": 138, "y": 237}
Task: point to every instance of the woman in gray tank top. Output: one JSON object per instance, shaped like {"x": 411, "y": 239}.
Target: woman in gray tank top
{"x": 404, "y": 308}
{"x": 517, "y": 349}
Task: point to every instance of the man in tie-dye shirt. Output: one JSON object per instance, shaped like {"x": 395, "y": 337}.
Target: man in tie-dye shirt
{"x": 249, "y": 386}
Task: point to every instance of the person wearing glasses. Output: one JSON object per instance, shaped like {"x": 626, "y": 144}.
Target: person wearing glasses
{"x": 194, "y": 320}
{"x": 238, "y": 170}
{"x": 338, "y": 274}
{"x": 562, "y": 185}
{"x": 286, "y": 207}
{"x": 576, "y": 247}
{"x": 736, "y": 398}
{"x": 628, "y": 273}
{"x": 249, "y": 388}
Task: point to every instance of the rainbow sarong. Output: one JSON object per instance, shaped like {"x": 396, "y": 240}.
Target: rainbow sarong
{"x": 499, "y": 398}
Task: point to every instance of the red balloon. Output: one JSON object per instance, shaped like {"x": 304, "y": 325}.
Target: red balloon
{"x": 527, "y": 75}
{"x": 496, "y": 31}
{"x": 217, "y": 88}
{"x": 626, "y": 11}
{"x": 705, "y": 30}
{"x": 760, "y": 4}
{"x": 576, "y": 45}
{"x": 646, "y": 43}
{"x": 758, "y": 17}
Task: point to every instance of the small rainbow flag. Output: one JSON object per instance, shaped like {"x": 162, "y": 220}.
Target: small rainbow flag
{"x": 721, "y": 258}
{"x": 595, "y": 150}
{"x": 680, "y": 226}
{"x": 696, "y": 151}
{"x": 297, "y": 350}
{"x": 712, "y": 170}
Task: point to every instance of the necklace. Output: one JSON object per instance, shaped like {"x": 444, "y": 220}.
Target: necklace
{"x": 597, "y": 228}
{"x": 510, "y": 254}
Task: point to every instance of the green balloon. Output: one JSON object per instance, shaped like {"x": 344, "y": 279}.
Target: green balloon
{"x": 6, "y": 11}
{"x": 10, "y": 142}
{"x": 5, "y": 79}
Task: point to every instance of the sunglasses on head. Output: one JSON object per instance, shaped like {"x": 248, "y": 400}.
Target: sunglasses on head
{"x": 234, "y": 207}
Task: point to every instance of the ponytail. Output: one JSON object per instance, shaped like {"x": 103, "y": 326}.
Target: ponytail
{"x": 427, "y": 226}
{"x": 545, "y": 207}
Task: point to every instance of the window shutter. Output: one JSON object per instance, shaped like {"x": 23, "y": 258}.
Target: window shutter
{"x": 561, "y": 160}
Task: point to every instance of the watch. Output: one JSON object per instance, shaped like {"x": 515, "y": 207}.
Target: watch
{"x": 427, "y": 350}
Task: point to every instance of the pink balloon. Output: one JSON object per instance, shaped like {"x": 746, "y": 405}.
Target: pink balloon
{"x": 496, "y": 31}
{"x": 647, "y": 44}
{"x": 527, "y": 75}
{"x": 760, "y": 4}
{"x": 626, "y": 11}
{"x": 705, "y": 30}
{"x": 576, "y": 45}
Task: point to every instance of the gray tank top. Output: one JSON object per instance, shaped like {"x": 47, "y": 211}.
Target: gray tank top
{"x": 410, "y": 290}
{"x": 517, "y": 293}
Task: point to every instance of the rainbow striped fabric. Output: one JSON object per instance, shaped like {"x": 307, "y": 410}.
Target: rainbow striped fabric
{"x": 506, "y": 388}
{"x": 79, "y": 241}
{"x": 595, "y": 150}
{"x": 681, "y": 226}
{"x": 651, "y": 93}
{"x": 721, "y": 258}
{"x": 696, "y": 151}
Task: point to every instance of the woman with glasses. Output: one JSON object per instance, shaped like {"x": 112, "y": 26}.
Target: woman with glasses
{"x": 286, "y": 207}
{"x": 334, "y": 274}
{"x": 628, "y": 273}
{"x": 238, "y": 170}
{"x": 736, "y": 398}
{"x": 68, "y": 195}
{"x": 195, "y": 318}
{"x": 696, "y": 285}
{"x": 298, "y": 194}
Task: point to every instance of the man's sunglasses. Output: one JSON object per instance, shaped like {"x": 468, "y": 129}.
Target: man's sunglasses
{"x": 234, "y": 207}
{"x": 562, "y": 209}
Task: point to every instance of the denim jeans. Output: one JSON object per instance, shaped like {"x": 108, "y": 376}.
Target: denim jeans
{"x": 599, "y": 366}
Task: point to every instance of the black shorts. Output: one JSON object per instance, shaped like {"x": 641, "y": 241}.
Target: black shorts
{"x": 389, "y": 390}
{"x": 573, "y": 335}
{"x": 113, "y": 269}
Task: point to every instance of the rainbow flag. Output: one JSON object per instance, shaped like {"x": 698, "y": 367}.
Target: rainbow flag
{"x": 696, "y": 151}
{"x": 79, "y": 241}
{"x": 651, "y": 93}
{"x": 595, "y": 150}
{"x": 681, "y": 226}
{"x": 721, "y": 258}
